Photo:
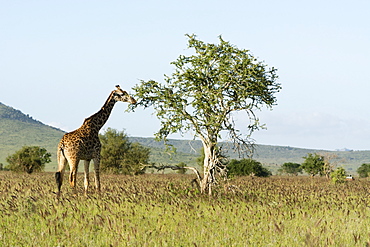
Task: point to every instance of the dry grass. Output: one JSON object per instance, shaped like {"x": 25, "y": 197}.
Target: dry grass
{"x": 164, "y": 210}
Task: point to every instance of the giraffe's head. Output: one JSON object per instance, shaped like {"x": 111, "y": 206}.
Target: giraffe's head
{"x": 120, "y": 95}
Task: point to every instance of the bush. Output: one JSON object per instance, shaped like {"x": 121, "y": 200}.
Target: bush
{"x": 247, "y": 167}
{"x": 119, "y": 155}
{"x": 291, "y": 168}
{"x": 339, "y": 175}
{"x": 29, "y": 159}
{"x": 183, "y": 170}
{"x": 364, "y": 170}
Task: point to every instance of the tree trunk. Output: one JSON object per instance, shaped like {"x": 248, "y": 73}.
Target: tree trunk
{"x": 209, "y": 167}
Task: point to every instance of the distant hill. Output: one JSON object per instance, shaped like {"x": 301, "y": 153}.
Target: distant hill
{"x": 271, "y": 156}
{"x": 18, "y": 129}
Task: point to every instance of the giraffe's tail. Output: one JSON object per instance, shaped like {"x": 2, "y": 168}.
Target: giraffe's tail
{"x": 58, "y": 179}
{"x": 61, "y": 165}
{"x": 60, "y": 151}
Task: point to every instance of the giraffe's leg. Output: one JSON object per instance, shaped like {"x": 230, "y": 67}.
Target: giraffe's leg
{"x": 73, "y": 174}
{"x": 62, "y": 162}
{"x": 97, "y": 173}
{"x": 86, "y": 181}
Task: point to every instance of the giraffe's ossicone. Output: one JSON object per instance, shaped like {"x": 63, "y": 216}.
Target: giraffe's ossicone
{"x": 84, "y": 144}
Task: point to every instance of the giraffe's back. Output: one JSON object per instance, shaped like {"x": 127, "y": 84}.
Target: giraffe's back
{"x": 80, "y": 145}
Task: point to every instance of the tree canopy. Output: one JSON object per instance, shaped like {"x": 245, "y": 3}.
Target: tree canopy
{"x": 313, "y": 164}
{"x": 291, "y": 168}
{"x": 247, "y": 167}
{"x": 204, "y": 91}
{"x": 29, "y": 159}
{"x": 364, "y": 170}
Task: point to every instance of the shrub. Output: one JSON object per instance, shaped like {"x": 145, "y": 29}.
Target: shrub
{"x": 247, "y": 167}
{"x": 183, "y": 170}
{"x": 339, "y": 175}
{"x": 119, "y": 155}
{"x": 364, "y": 170}
{"x": 291, "y": 168}
{"x": 29, "y": 159}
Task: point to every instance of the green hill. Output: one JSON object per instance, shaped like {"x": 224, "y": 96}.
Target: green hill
{"x": 18, "y": 129}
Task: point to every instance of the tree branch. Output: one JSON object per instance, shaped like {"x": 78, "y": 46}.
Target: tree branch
{"x": 172, "y": 167}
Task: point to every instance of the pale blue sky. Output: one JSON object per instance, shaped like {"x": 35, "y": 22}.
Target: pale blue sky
{"x": 60, "y": 60}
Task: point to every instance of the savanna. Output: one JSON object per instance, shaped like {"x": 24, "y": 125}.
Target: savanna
{"x": 166, "y": 210}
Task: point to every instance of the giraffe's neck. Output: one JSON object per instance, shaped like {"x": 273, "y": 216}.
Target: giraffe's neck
{"x": 95, "y": 122}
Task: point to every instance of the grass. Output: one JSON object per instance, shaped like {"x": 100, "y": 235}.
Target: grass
{"x": 164, "y": 210}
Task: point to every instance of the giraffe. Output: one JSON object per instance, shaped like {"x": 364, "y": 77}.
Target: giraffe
{"x": 84, "y": 144}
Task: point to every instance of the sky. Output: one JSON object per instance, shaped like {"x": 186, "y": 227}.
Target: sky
{"x": 59, "y": 61}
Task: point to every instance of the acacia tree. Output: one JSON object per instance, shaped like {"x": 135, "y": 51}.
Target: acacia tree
{"x": 291, "y": 168}
{"x": 313, "y": 164}
{"x": 203, "y": 93}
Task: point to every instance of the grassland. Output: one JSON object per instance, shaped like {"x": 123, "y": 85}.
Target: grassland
{"x": 164, "y": 210}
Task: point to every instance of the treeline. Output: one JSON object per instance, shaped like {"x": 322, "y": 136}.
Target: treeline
{"x": 327, "y": 165}
{"x": 120, "y": 155}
